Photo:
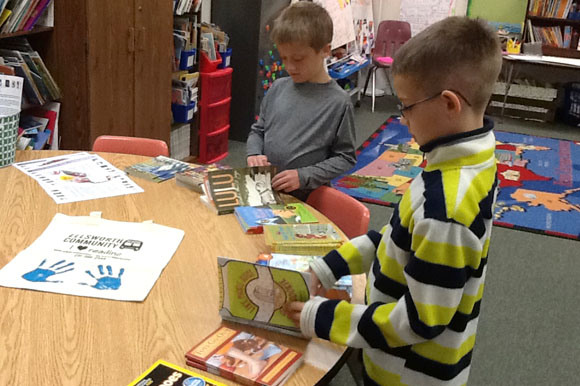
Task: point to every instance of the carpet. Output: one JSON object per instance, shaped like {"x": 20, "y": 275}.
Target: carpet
{"x": 539, "y": 177}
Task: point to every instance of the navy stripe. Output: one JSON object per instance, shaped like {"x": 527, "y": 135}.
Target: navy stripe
{"x": 337, "y": 264}
{"x": 437, "y": 274}
{"x": 434, "y": 196}
{"x": 417, "y": 325}
{"x": 485, "y": 212}
{"x": 375, "y": 237}
{"x": 367, "y": 380}
{"x": 460, "y": 320}
{"x": 387, "y": 285}
{"x": 399, "y": 234}
{"x": 324, "y": 318}
{"x": 373, "y": 335}
{"x": 436, "y": 369}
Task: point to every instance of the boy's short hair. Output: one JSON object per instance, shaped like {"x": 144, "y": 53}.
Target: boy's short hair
{"x": 456, "y": 53}
{"x": 303, "y": 22}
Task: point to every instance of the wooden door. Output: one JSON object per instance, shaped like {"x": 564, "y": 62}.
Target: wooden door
{"x": 111, "y": 67}
{"x": 154, "y": 43}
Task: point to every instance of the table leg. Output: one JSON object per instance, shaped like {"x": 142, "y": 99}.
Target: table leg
{"x": 508, "y": 83}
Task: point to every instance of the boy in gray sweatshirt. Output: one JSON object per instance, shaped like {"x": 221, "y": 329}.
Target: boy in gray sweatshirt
{"x": 306, "y": 125}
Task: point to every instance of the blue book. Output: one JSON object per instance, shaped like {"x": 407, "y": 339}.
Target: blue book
{"x": 253, "y": 218}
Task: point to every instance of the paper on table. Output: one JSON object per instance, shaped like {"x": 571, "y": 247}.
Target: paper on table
{"x": 94, "y": 257}
{"x": 78, "y": 177}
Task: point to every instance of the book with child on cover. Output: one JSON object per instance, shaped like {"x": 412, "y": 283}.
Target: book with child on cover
{"x": 165, "y": 373}
{"x": 250, "y": 186}
{"x": 255, "y": 294}
{"x": 253, "y": 218}
{"x": 244, "y": 358}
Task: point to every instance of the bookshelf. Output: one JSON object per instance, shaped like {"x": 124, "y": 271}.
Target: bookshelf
{"x": 36, "y": 30}
{"x": 544, "y": 18}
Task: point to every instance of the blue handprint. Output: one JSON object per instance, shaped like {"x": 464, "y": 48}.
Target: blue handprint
{"x": 42, "y": 274}
{"x": 106, "y": 282}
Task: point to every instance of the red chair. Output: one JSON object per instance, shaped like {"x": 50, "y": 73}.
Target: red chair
{"x": 349, "y": 214}
{"x": 131, "y": 145}
{"x": 391, "y": 35}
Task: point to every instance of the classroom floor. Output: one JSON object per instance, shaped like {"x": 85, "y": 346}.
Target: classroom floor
{"x": 529, "y": 329}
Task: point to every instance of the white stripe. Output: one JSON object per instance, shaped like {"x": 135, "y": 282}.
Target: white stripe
{"x": 454, "y": 340}
{"x": 354, "y": 338}
{"x": 461, "y": 149}
{"x": 392, "y": 250}
{"x": 471, "y": 288}
{"x": 415, "y": 378}
{"x": 385, "y": 361}
{"x": 432, "y": 294}
{"x": 447, "y": 233}
{"x": 366, "y": 248}
{"x": 467, "y": 175}
{"x": 400, "y": 321}
{"x": 376, "y": 295}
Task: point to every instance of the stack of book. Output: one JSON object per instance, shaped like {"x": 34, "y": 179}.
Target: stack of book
{"x": 302, "y": 239}
{"x": 158, "y": 169}
{"x": 165, "y": 373}
{"x": 194, "y": 177}
{"x": 245, "y": 358}
{"x": 21, "y": 15}
{"x": 21, "y": 60}
{"x": 253, "y": 218}
{"x": 229, "y": 188}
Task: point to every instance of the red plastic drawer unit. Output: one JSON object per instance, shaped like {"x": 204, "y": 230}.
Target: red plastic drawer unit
{"x": 207, "y": 65}
{"x": 216, "y": 86}
{"x": 215, "y": 116}
{"x": 213, "y": 147}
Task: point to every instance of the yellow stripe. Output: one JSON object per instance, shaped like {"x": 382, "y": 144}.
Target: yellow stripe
{"x": 405, "y": 212}
{"x": 341, "y": 323}
{"x": 445, "y": 355}
{"x": 445, "y": 254}
{"x": 485, "y": 248}
{"x": 473, "y": 159}
{"x": 434, "y": 315}
{"x": 390, "y": 266}
{"x": 478, "y": 189}
{"x": 380, "y": 375}
{"x": 468, "y": 301}
{"x": 382, "y": 318}
{"x": 450, "y": 188}
{"x": 352, "y": 256}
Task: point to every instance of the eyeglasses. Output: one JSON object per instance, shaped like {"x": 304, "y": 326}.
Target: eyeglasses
{"x": 402, "y": 108}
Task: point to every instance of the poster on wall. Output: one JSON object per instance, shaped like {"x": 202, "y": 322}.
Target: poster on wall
{"x": 93, "y": 257}
{"x": 422, "y": 13}
{"x": 364, "y": 27}
{"x": 341, "y": 13}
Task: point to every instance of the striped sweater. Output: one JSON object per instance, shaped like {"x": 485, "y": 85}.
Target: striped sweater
{"x": 426, "y": 271}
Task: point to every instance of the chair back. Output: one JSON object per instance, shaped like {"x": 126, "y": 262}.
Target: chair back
{"x": 391, "y": 35}
{"x": 349, "y": 214}
{"x": 131, "y": 145}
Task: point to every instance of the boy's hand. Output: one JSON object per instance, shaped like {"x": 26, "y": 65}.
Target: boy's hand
{"x": 294, "y": 310}
{"x": 286, "y": 181}
{"x": 316, "y": 288}
{"x": 257, "y": 160}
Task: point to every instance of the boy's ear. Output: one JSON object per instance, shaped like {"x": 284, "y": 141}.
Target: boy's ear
{"x": 326, "y": 50}
{"x": 453, "y": 103}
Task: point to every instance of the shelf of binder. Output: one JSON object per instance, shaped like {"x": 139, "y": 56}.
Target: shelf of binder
{"x": 187, "y": 59}
{"x": 183, "y": 113}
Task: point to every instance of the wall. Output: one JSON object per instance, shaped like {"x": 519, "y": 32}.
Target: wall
{"x": 505, "y": 11}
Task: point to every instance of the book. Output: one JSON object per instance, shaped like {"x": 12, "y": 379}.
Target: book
{"x": 255, "y": 294}
{"x": 165, "y": 373}
{"x": 193, "y": 178}
{"x": 245, "y": 358}
{"x": 157, "y": 169}
{"x": 302, "y": 239}
{"x": 250, "y": 186}
{"x": 253, "y": 218}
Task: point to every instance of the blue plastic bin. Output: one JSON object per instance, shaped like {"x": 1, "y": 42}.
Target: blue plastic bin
{"x": 226, "y": 56}
{"x": 187, "y": 60}
{"x": 183, "y": 113}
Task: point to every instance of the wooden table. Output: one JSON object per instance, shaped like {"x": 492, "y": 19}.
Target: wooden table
{"x": 54, "y": 339}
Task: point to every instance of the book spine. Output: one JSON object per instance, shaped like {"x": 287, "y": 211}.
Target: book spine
{"x": 40, "y": 8}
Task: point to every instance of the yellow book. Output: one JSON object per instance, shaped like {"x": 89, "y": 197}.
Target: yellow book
{"x": 4, "y": 16}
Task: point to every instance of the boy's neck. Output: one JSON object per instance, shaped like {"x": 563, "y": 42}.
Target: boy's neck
{"x": 321, "y": 76}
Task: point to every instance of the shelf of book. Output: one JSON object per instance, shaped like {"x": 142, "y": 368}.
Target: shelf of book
{"x": 551, "y": 21}
{"x": 34, "y": 31}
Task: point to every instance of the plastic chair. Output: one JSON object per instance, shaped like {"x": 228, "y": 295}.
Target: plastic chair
{"x": 391, "y": 35}
{"x": 131, "y": 145}
{"x": 350, "y": 215}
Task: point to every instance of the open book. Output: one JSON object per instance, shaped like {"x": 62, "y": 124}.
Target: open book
{"x": 255, "y": 294}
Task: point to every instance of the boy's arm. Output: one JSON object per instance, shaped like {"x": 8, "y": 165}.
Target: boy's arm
{"x": 342, "y": 155}
{"x": 352, "y": 258}
{"x": 255, "y": 142}
{"x": 443, "y": 257}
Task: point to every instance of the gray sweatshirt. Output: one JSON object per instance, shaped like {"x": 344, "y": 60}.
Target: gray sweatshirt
{"x": 308, "y": 127}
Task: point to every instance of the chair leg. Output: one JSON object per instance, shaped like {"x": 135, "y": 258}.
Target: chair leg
{"x": 367, "y": 80}
{"x": 373, "y": 91}
{"x": 388, "y": 75}
{"x": 354, "y": 363}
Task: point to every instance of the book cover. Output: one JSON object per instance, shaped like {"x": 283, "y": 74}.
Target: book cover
{"x": 252, "y": 219}
{"x": 157, "y": 169}
{"x": 256, "y": 294}
{"x": 242, "y": 187}
{"x": 193, "y": 178}
{"x": 302, "y": 239}
{"x": 165, "y": 373}
{"x": 243, "y": 357}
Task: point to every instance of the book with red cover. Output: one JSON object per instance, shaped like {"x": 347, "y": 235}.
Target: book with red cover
{"x": 244, "y": 358}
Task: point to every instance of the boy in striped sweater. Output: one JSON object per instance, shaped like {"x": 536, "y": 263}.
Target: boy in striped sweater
{"x": 426, "y": 268}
